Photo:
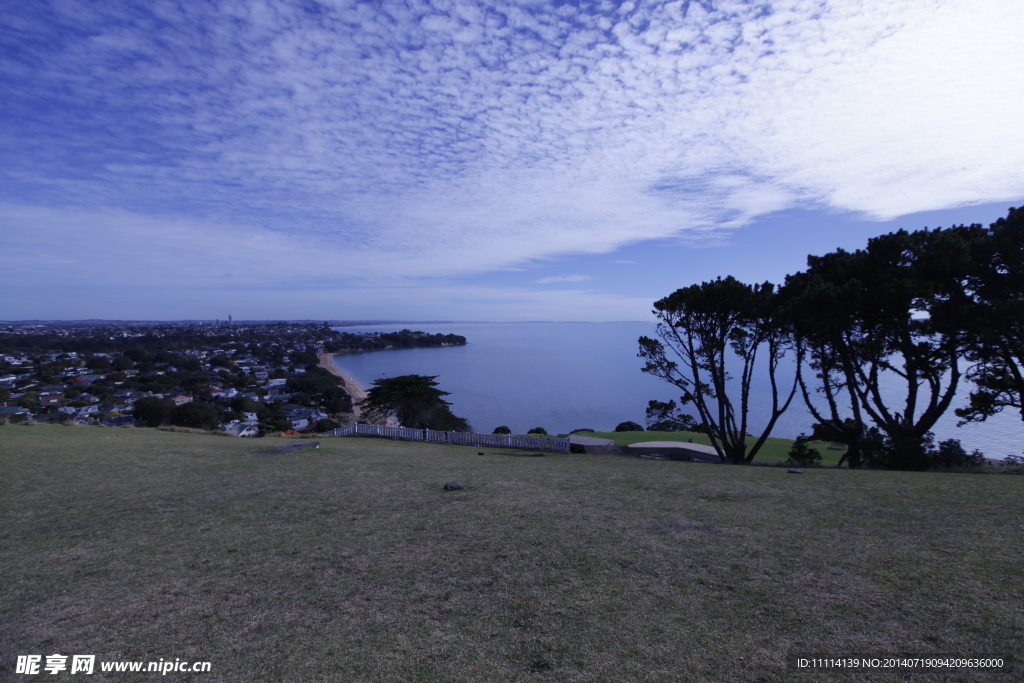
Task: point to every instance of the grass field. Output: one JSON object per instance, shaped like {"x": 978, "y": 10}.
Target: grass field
{"x": 774, "y": 450}
{"x": 350, "y": 563}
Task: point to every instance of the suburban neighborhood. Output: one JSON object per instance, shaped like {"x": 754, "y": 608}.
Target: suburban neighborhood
{"x": 248, "y": 379}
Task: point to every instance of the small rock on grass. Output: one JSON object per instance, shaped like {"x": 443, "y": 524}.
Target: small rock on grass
{"x": 452, "y": 486}
{"x": 796, "y": 471}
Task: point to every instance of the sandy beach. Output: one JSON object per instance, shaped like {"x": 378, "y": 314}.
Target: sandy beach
{"x": 357, "y": 390}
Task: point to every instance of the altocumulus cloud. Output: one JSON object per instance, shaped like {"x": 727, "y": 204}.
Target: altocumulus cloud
{"x": 181, "y": 141}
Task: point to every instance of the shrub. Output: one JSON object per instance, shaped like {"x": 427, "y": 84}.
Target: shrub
{"x": 325, "y": 425}
{"x": 951, "y": 453}
{"x": 802, "y": 454}
{"x": 502, "y": 430}
{"x": 153, "y": 412}
{"x": 579, "y": 431}
{"x": 197, "y": 416}
{"x": 538, "y": 430}
{"x": 629, "y": 427}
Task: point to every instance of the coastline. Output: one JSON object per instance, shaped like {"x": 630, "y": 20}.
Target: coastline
{"x": 354, "y": 388}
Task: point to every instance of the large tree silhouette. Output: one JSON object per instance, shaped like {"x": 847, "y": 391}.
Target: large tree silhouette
{"x": 708, "y": 327}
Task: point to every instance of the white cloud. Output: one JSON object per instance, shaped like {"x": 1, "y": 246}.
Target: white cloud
{"x": 429, "y": 140}
{"x": 562, "y": 278}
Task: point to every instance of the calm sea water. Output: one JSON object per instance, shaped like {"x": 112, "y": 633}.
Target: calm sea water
{"x": 565, "y": 376}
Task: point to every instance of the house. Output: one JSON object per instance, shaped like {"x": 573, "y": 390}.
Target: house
{"x": 251, "y": 417}
{"x": 278, "y": 382}
{"x": 15, "y": 411}
{"x": 51, "y": 400}
{"x": 120, "y": 421}
{"x": 129, "y": 396}
{"x": 242, "y": 429}
{"x": 301, "y": 417}
{"x": 181, "y": 399}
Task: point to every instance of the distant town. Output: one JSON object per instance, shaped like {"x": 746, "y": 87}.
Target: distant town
{"x": 244, "y": 379}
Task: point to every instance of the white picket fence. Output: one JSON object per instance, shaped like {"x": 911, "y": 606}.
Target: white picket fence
{"x": 459, "y": 438}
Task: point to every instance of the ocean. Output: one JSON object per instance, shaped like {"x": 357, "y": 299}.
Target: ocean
{"x": 565, "y": 376}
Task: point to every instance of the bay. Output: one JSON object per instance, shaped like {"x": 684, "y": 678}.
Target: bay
{"x": 565, "y": 376}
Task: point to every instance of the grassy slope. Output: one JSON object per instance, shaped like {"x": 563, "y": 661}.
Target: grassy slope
{"x": 351, "y": 563}
{"x": 774, "y": 450}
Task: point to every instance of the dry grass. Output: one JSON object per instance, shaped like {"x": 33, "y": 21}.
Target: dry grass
{"x": 350, "y": 562}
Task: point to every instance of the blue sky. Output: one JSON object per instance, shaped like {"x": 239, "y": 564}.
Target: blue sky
{"x": 481, "y": 160}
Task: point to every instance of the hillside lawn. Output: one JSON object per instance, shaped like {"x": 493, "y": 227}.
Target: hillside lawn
{"x": 774, "y": 449}
{"x": 351, "y": 563}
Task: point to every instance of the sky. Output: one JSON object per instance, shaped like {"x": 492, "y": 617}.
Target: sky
{"x": 500, "y": 161}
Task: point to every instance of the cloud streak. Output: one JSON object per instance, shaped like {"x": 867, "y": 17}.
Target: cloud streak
{"x": 562, "y": 278}
{"x": 436, "y": 139}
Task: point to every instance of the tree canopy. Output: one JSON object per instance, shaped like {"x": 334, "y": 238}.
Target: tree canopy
{"x": 895, "y": 314}
{"x": 708, "y": 327}
{"x": 996, "y": 345}
{"x": 414, "y": 401}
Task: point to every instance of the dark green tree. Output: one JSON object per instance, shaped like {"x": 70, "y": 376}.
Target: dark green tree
{"x": 666, "y": 417}
{"x": 897, "y": 309}
{"x": 191, "y": 364}
{"x": 152, "y": 411}
{"x": 502, "y": 430}
{"x": 802, "y": 454}
{"x": 951, "y": 454}
{"x": 414, "y": 401}
{"x": 710, "y": 326}
{"x": 197, "y": 416}
{"x": 629, "y": 426}
{"x": 997, "y": 335}
{"x": 98, "y": 363}
{"x": 538, "y": 430}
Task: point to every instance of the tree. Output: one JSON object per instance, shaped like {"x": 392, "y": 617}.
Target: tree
{"x": 413, "y": 400}
{"x": 700, "y": 325}
{"x": 152, "y": 411}
{"x": 997, "y": 337}
{"x": 898, "y": 309}
{"x": 197, "y": 416}
{"x": 502, "y": 430}
{"x": 629, "y": 427}
{"x": 802, "y": 454}
{"x": 951, "y": 453}
{"x": 665, "y": 417}
{"x": 538, "y": 430}
{"x": 98, "y": 363}
{"x": 325, "y": 426}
